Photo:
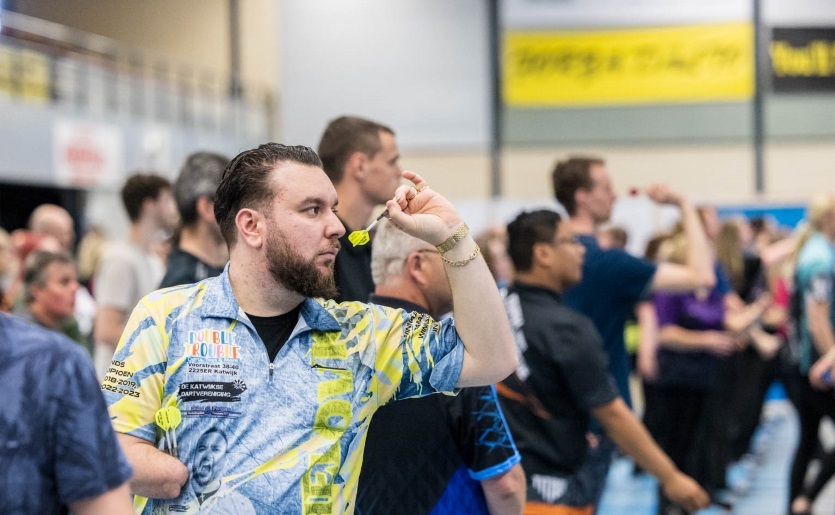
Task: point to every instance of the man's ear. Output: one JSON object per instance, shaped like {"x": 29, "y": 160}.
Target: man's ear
{"x": 580, "y": 197}
{"x": 415, "y": 267}
{"x": 250, "y": 225}
{"x": 539, "y": 253}
{"x": 205, "y": 209}
{"x": 147, "y": 203}
{"x": 356, "y": 165}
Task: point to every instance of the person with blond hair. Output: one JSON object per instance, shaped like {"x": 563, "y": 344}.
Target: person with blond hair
{"x": 812, "y": 336}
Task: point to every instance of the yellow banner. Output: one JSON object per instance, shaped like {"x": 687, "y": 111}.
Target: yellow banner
{"x": 24, "y": 74}
{"x": 701, "y": 63}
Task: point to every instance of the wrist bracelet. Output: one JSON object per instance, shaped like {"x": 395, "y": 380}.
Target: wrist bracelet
{"x": 453, "y": 240}
{"x": 463, "y": 261}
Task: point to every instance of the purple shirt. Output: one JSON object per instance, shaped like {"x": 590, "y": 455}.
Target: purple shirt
{"x": 694, "y": 312}
{"x": 690, "y": 370}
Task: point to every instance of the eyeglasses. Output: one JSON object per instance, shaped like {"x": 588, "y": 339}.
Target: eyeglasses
{"x": 573, "y": 240}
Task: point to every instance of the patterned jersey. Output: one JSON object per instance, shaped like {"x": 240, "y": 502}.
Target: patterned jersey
{"x": 287, "y": 436}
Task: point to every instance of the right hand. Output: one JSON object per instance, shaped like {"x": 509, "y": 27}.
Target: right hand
{"x": 720, "y": 343}
{"x": 684, "y": 491}
{"x": 421, "y": 212}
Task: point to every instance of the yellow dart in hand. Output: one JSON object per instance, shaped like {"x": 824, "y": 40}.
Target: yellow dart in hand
{"x": 362, "y": 237}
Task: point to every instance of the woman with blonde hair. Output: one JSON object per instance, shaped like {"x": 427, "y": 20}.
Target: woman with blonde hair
{"x": 811, "y": 336}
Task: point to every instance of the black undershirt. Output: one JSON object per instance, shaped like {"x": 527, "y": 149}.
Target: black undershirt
{"x": 274, "y": 331}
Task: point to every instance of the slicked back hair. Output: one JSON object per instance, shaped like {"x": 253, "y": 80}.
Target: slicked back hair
{"x": 246, "y": 181}
{"x": 344, "y": 136}
{"x": 571, "y": 175}
{"x": 528, "y": 229}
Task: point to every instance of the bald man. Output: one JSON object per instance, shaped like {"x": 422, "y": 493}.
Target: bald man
{"x": 55, "y": 221}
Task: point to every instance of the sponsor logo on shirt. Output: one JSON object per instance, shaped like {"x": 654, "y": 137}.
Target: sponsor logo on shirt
{"x": 205, "y": 391}
{"x": 211, "y": 411}
{"x": 211, "y": 344}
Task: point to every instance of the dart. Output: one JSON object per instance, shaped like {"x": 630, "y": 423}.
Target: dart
{"x": 174, "y": 419}
{"x": 362, "y": 237}
{"x": 161, "y": 418}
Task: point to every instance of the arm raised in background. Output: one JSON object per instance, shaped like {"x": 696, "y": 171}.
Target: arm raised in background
{"x": 632, "y": 437}
{"x": 480, "y": 319}
{"x": 697, "y": 272}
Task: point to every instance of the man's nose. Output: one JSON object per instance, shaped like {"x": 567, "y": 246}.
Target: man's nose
{"x": 335, "y": 228}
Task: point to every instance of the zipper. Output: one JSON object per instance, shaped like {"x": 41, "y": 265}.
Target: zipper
{"x": 272, "y": 366}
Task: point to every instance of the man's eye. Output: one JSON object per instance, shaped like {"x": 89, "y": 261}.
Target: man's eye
{"x": 313, "y": 211}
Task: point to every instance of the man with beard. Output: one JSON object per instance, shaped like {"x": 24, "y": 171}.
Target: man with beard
{"x": 200, "y": 252}
{"x": 292, "y": 379}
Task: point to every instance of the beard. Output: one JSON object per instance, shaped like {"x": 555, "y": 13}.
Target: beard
{"x": 302, "y": 276}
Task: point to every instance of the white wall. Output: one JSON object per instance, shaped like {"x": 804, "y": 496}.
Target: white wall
{"x": 419, "y": 66}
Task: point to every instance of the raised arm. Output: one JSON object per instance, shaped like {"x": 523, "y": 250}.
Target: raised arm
{"x": 156, "y": 475}
{"x": 480, "y": 319}
{"x": 697, "y": 272}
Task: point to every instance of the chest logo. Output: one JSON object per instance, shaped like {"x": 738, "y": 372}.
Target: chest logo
{"x": 212, "y": 344}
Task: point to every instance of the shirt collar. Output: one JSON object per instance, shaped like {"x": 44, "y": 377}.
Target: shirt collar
{"x": 394, "y": 302}
{"x": 533, "y": 288}
{"x": 220, "y": 302}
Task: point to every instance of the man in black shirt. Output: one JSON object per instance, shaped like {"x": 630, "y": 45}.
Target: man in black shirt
{"x": 200, "y": 252}
{"x": 436, "y": 454}
{"x": 360, "y": 158}
{"x": 563, "y": 378}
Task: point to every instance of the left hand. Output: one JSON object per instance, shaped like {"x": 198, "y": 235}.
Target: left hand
{"x": 421, "y": 212}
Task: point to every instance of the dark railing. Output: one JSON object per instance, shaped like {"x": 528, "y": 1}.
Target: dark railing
{"x": 47, "y": 63}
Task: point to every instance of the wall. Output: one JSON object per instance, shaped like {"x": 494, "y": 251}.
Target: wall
{"x": 419, "y": 66}
{"x": 194, "y": 31}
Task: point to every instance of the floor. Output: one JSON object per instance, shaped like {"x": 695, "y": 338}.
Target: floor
{"x": 762, "y": 482}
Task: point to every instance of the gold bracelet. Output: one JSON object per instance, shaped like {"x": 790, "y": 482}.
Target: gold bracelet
{"x": 453, "y": 240}
{"x": 463, "y": 261}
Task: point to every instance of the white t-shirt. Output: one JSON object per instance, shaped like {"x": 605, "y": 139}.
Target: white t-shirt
{"x": 126, "y": 273}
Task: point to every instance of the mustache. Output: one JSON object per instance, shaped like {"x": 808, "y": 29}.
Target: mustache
{"x": 333, "y": 246}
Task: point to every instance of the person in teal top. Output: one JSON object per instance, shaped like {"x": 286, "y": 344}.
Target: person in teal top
{"x": 813, "y": 319}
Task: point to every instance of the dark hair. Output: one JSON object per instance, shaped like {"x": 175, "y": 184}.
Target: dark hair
{"x": 525, "y": 231}
{"x": 138, "y": 188}
{"x": 34, "y": 273}
{"x": 246, "y": 181}
{"x": 571, "y": 175}
{"x": 198, "y": 178}
{"x": 343, "y": 137}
